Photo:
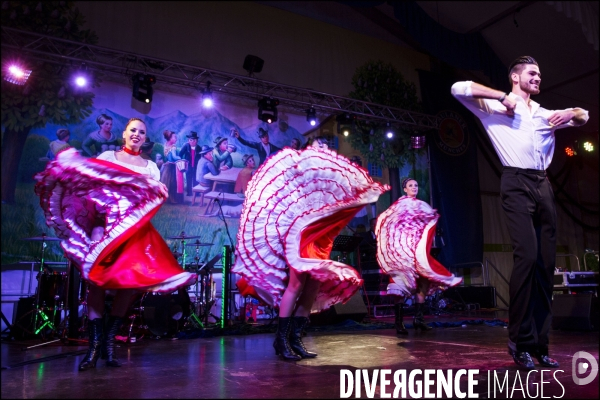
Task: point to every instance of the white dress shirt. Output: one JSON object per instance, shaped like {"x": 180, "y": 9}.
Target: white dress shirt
{"x": 525, "y": 140}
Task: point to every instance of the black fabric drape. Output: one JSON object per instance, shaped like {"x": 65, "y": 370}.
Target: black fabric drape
{"x": 454, "y": 172}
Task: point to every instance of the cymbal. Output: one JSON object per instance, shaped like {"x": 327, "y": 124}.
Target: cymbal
{"x": 182, "y": 237}
{"x": 43, "y": 239}
{"x": 197, "y": 243}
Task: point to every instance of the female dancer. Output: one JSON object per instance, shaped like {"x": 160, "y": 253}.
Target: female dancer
{"x": 102, "y": 208}
{"x": 296, "y": 204}
{"x": 405, "y": 232}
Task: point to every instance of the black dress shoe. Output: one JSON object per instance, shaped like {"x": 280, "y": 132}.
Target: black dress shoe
{"x": 546, "y": 361}
{"x": 522, "y": 359}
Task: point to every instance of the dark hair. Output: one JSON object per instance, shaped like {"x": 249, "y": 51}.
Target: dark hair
{"x": 517, "y": 65}
{"x": 167, "y": 134}
{"x": 61, "y": 134}
{"x": 102, "y": 119}
{"x": 405, "y": 181}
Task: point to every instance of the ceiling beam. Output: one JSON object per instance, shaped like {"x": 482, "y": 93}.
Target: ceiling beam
{"x": 509, "y": 11}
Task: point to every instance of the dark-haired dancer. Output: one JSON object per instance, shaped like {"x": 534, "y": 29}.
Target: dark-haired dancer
{"x": 405, "y": 233}
{"x": 101, "y": 208}
{"x": 296, "y": 203}
{"x": 522, "y": 133}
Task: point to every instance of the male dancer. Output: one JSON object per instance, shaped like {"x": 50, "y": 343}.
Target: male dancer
{"x": 522, "y": 133}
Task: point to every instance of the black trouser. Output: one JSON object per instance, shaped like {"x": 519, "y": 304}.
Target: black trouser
{"x": 190, "y": 178}
{"x": 528, "y": 203}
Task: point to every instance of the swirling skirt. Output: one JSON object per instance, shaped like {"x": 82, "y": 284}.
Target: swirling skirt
{"x": 404, "y": 233}
{"x": 296, "y": 203}
{"x": 78, "y": 194}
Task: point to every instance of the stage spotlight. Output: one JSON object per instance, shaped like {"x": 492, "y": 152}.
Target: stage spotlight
{"x": 343, "y": 120}
{"x": 207, "y": 99}
{"x": 17, "y": 74}
{"x": 81, "y": 81}
{"x": 142, "y": 87}
{"x": 588, "y": 146}
{"x": 311, "y": 116}
{"x": 388, "y": 131}
{"x": 267, "y": 109}
{"x": 81, "y": 77}
{"x": 570, "y": 151}
{"x": 417, "y": 142}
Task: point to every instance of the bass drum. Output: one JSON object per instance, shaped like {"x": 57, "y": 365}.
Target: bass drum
{"x": 165, "y": 314}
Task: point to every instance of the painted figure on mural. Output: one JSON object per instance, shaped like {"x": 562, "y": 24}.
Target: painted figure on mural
{"x": 522, "y": 133}
{"x": 147, "y": 148}
{"x": 62, "y": 142}
{"x": 296, "y": 144}
{"x": 221, "y": 155}
{"x": 171, "y": 174}
{"x": 241, "y": 183}
{"x": 101, "y": 140}
{"x": 295, "y": 205}
{"x": 189, "y": 152}
{"x": 103, "y": 218}
{"x": 264, "y": 148}
{"x": 205, "y": 166}
{"x": 404, "y": 234}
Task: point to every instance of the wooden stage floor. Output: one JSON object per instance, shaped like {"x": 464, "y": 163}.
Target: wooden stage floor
{"x": 245, "y": 365}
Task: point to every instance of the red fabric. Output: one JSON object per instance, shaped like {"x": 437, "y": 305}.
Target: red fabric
{"x": 130, "y": 260}
{"x": 435, "y": 265}
{"x": 246, "y": 289}
{"x": 317, "y": 239}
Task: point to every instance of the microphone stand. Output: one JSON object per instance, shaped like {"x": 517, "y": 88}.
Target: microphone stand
{"x": 226, "y": 277}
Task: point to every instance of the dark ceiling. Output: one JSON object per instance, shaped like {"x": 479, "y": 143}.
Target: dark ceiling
{"x": 562, "y": 36}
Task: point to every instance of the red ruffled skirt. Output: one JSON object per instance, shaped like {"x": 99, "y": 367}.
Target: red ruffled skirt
{"x": 78, "y": 194}
{"x": 405, "y": 233}
{"x": 296, "y": 203}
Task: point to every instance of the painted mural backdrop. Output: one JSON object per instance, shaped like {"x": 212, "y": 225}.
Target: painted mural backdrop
{"x": 201, "y": 218}
{"x": 205, "y": 221}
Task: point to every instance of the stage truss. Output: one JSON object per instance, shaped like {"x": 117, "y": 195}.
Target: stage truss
{"x": 120, "y": 66}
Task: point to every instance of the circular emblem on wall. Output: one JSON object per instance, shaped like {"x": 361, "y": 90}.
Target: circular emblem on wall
{"x": 452, "y": 137}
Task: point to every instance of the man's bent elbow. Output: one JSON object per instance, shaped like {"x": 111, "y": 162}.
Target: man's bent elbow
{"x": 581, "y": 117}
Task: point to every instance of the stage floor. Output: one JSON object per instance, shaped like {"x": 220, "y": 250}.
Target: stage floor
{"x": 245, "y": 366}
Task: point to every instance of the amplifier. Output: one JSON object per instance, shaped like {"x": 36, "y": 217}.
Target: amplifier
{"x": 575, "y": 279}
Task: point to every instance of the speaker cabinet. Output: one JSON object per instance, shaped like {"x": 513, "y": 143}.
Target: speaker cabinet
{"x": 575, "y": 312}
{"x": 485, "y": 296}
{"x": 354, "y": 309}
{"x": 253, "y": 63}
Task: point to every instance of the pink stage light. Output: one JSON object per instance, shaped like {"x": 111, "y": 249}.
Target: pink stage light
{"x": 17, "y": 75}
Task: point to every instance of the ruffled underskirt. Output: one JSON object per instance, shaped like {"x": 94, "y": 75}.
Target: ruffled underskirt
{"x": 296, "y": 203}
{"x": 405, "y": 232}
{"x": 78, "y": 194}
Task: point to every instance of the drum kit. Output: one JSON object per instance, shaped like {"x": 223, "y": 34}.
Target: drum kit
{"x": 44, "y": 309}
{"x": 164, "y": 315}
{"x": 152, "y": 313}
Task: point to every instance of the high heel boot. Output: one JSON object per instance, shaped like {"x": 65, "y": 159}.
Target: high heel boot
{"x": 108, "y": 344}
{"x": 95, "y": 344}
{"x": 419, "y": 320}
{"x": 299, "y": 323}
{"x": 399, "y": 320}
{"x": 282, "y": 343}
